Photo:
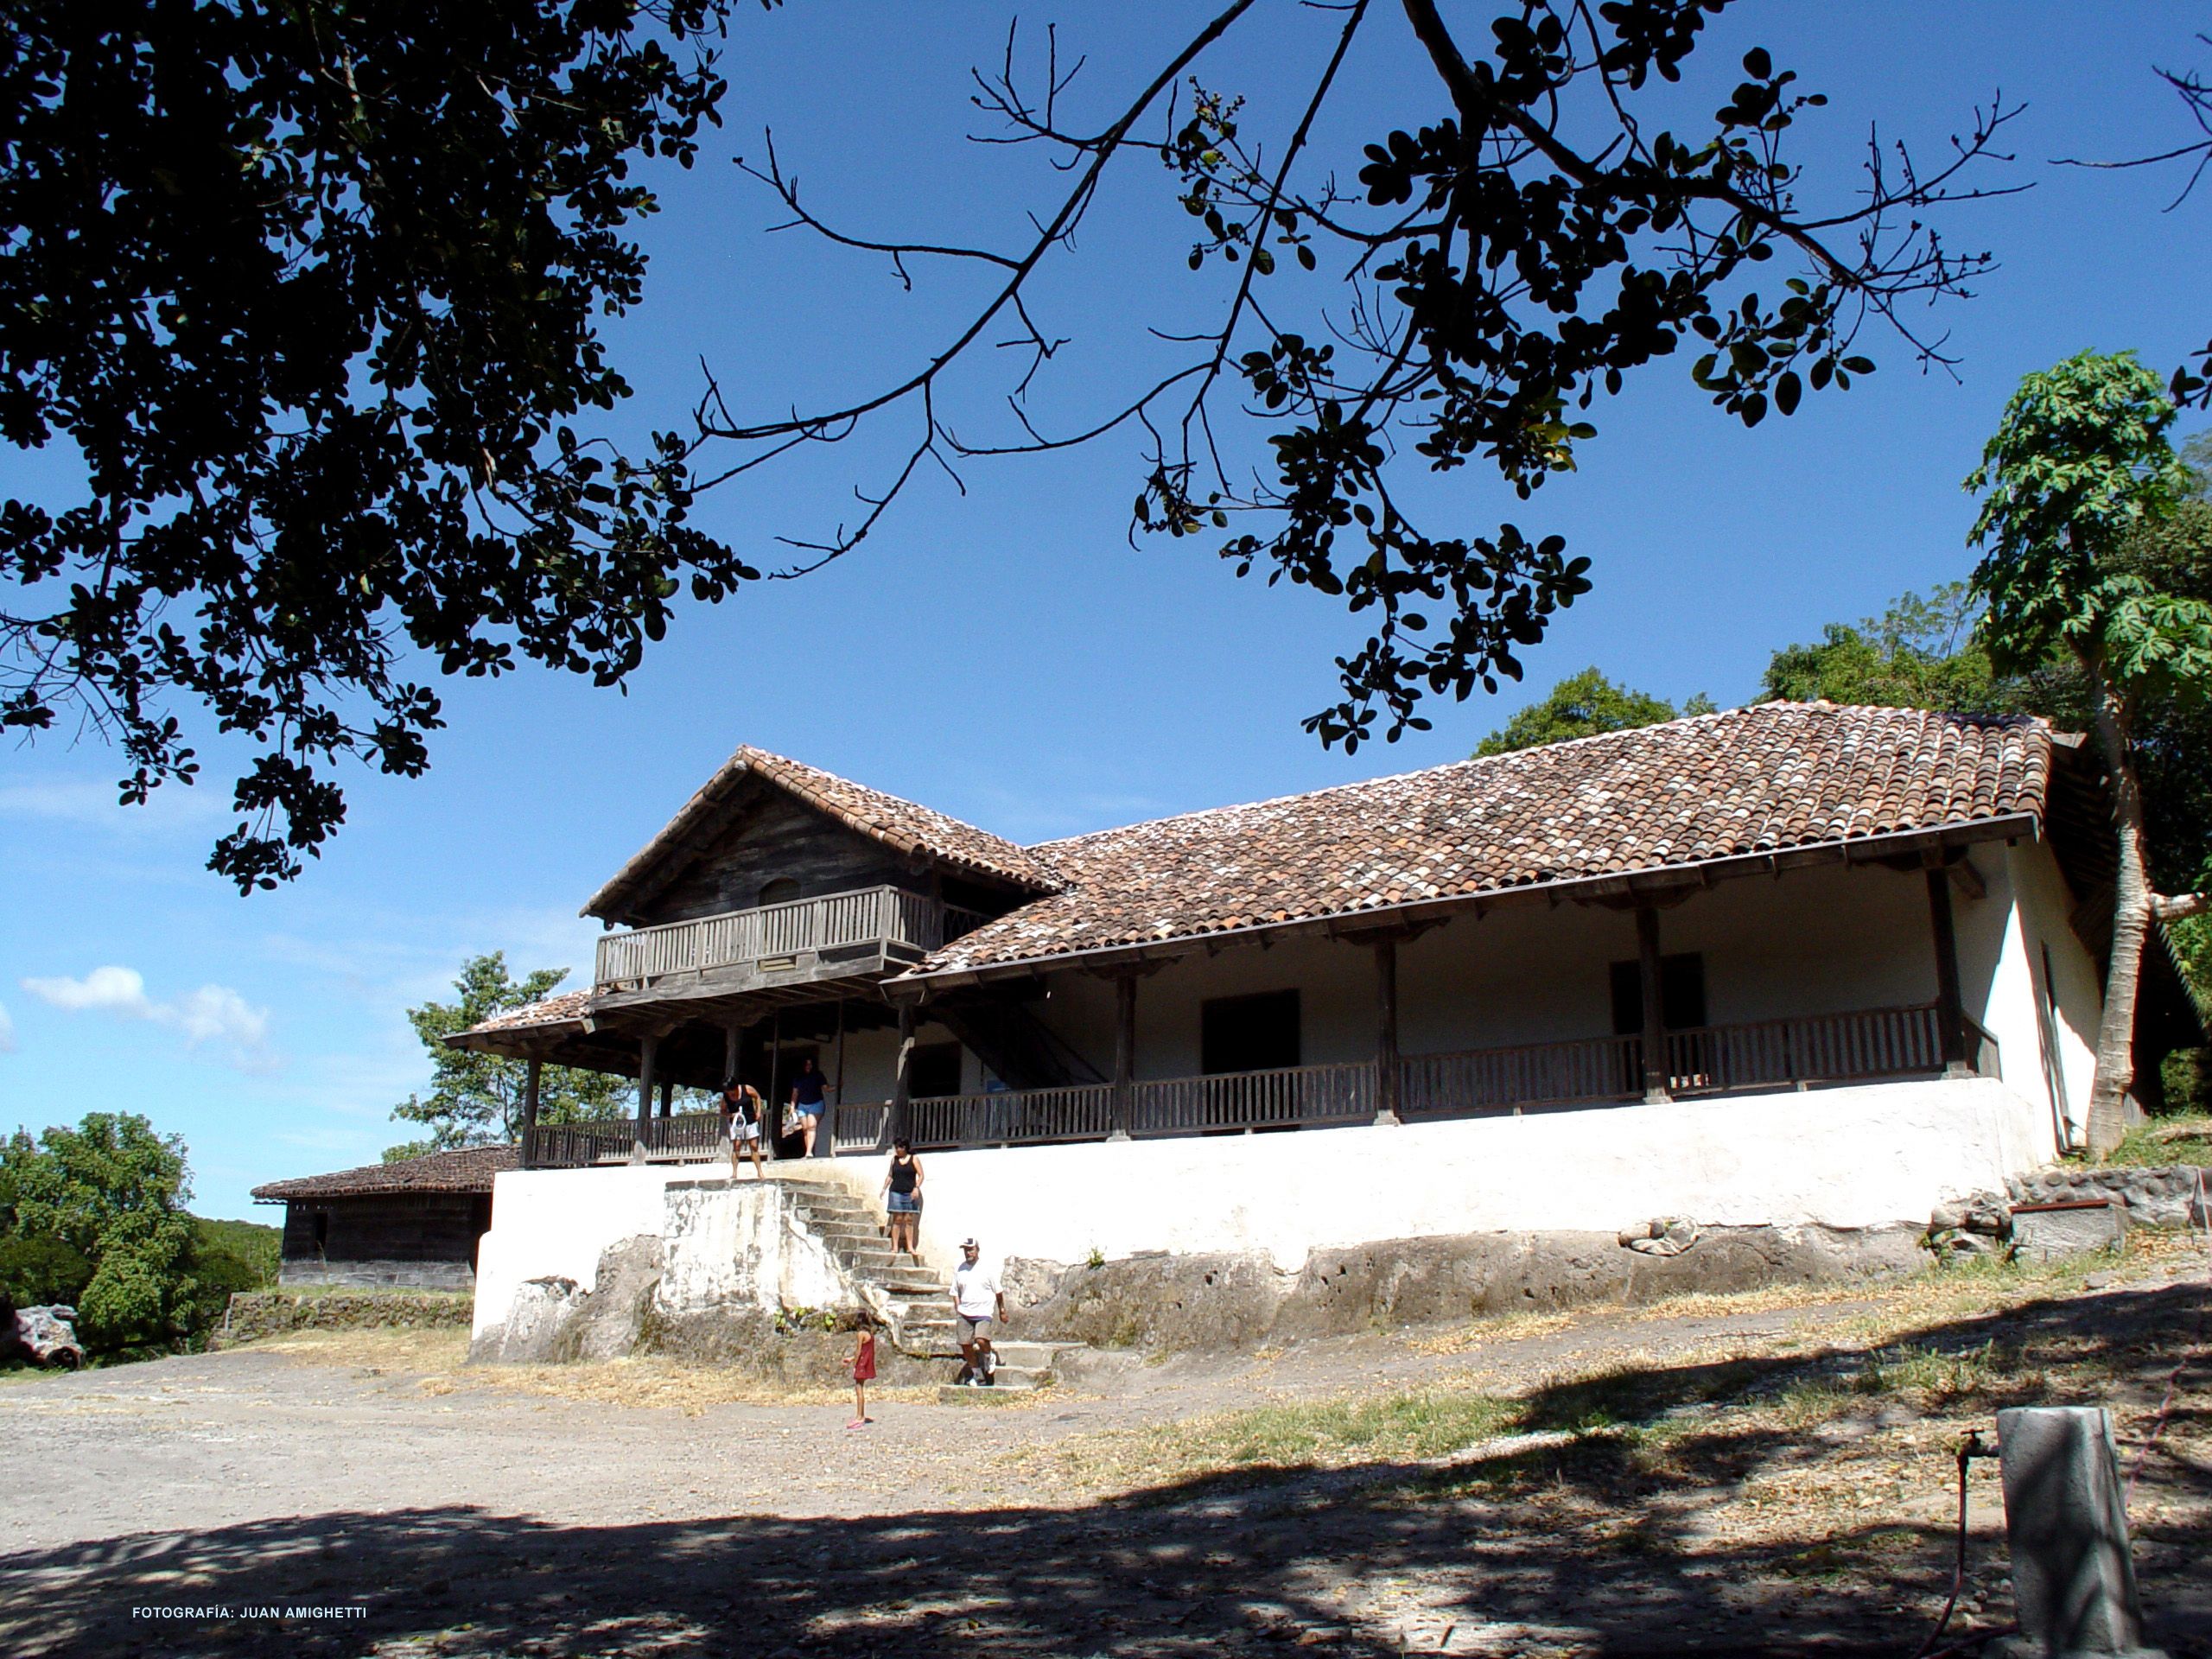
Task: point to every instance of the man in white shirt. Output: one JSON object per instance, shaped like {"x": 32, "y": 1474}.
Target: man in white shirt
{"x": 978, "y": 1308}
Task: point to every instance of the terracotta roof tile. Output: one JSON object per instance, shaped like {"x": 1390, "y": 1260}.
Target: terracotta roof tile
{"x": 466, "y": 1169}
{"x": 1744, "y": 781}
{"x": 563, "y": 1009}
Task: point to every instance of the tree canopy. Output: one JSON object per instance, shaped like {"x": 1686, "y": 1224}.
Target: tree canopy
{"x": 1509, "y": 254}
{"x": 476, "y": 1099}
{"x": 312, "y": 292}
{"x": 1583, "y": 705}
{"x": 2079, "y": 470}
{"x": 94, "y": 1216}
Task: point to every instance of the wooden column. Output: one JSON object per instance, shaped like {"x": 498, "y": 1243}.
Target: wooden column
{"x": 902, "y": 1073}
{"x": 730, "y": 1036}
{"x": 1950, "y": 1006}
{"x": 773, "y": 1131}
{"x": 1125, "y": 1054}
{"x": 836, "y": 1089}
{"x": 667, "y": 1096}
{"x": 1386, "y": 1069}
{"x": 648, "y": 1052}
{"x": 1654, "y": 986}
{"x": 530, "y": 1070}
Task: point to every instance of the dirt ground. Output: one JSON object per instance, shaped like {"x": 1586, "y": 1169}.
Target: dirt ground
{"x": 1756, "y": 1475}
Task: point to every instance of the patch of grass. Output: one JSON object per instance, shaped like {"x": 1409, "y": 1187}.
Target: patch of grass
{"x": 1413, "y": 1426}
{"x": 2166, "y": 1141}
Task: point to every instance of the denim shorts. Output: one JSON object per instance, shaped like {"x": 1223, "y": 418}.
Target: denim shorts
{"x": 905, "y": 1204}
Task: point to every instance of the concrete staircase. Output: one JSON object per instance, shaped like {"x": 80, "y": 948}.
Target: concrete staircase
{"x": 912, "y": 1301}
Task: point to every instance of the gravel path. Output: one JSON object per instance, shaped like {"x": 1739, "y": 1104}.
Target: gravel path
{"x": 477, "y": 1520}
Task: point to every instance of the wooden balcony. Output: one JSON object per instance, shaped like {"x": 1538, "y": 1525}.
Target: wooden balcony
{"x": 1814, "y": 1051}
{"x": 872, "y": 930}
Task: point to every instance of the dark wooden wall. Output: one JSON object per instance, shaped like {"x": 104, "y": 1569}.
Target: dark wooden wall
{"x": 772, "y": 837}
{"x": 430, "y": 1229}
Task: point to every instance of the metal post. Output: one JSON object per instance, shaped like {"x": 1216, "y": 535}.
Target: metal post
{"x": 1950, "y": 1004}
{"x": 1654, "y": 1005}
{"x": 1387, "y": 1068}
{"x": 529, "y": 1106}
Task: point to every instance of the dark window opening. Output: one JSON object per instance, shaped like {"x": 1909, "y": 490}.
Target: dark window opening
{"x": 781, "y": 891}
{"x": 322, "y": 1230}
{"x": 934, "y": 1070}
{"x": 1249, "y": 1034}
{"x": 1682, "y": 994}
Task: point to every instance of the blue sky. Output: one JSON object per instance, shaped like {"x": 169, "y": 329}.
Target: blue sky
{"x": 1005, "y": 654}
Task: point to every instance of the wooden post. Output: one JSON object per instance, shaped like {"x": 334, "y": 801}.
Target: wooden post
{"x": 772, "y": 1132}
{"x": 529, "y": 1106}
{"x": 1386, "y": 1069}
{"x": 667, "y": 1095}
{"x": 837, "y": 1086}
{"x": 1655, "y": 1004}
{"x": 648, "y": 1051}
{"x": 902, "y": 1072}
{"x": 1125, "y": 1054}
{"x": 1950, "y": 1006}
{"x": 730, "y": 1035}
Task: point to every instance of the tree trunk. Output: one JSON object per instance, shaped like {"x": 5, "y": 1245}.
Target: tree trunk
{"x": 2131, "y": 917}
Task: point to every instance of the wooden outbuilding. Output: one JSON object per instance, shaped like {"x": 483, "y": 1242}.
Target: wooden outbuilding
{"x": 415, "y": 1223}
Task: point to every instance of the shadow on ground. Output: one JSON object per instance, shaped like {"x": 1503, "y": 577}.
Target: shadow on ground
{"x": 1379, "y": 1561}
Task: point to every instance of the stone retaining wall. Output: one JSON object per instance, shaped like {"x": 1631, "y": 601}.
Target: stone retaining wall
{"x": 2157, "y": 1196}
{"x": 1239, "y": 1301}
{"x": 273, "y": 1313}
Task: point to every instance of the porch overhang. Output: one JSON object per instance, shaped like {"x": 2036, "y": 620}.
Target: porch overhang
{"x": 1659, "y": 885}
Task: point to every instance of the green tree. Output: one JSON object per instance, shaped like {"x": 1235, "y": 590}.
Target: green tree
{"x": 2078, "y": 468}
{"x": 1583, "y": 705}
{"x": 1919, "y": 653}
{"x": 476, "y": 1099}
{"x": 110, "y": 1193}
{"x": 314, "y": 290}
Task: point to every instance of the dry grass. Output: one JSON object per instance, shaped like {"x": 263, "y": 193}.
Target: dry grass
{"x": 1602, "y": 1416}
{"x": 438, "y": 1361}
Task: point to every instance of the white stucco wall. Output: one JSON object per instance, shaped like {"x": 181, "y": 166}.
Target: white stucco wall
{"x": 1860, "y": 1157}
{"x": 2049, "y": 1058}
{"x": 1828, "y": 939}
{"x": 742, "y": 1243}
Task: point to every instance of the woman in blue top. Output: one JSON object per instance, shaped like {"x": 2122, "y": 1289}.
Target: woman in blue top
{"x": 807, "y": 1096}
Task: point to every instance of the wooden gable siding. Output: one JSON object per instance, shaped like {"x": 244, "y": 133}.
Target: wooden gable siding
{"x": 771, "y": 838}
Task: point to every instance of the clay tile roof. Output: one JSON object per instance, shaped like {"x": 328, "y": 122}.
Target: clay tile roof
{"x": 564, "y": 1009}
{"x": 467, "y": 1169}
{"x": 1744, "y": 781}
{"x": 907, "y": 826}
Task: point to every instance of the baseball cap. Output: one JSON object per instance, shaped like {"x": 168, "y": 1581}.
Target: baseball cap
{"x": 969, "y": 1244}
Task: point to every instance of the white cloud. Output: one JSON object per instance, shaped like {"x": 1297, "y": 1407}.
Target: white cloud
{"x": 214, "y": 1014}
{"x": 7, "y": 1031}
{"x": 92, "y": 804}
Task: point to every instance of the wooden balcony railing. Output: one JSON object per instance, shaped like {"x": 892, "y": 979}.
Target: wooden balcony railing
{"x": 881, "y": 915}
{"x": 1229, "y": 1101}
{"x": 1861, "y": 1046}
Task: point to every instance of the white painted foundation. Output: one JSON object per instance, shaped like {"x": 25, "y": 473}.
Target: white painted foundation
{"x": 1874, "y": 1156}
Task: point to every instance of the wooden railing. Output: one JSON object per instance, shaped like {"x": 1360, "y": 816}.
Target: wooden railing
{"x": 576, "y": 1145}
{"x": 869, "y": 916}
{"x": 684, "y": 1135}
{"x": 1818, "y": 1048}
{"x": 1499, "y": 1079}
{"x": 1011, "y": 1117}
{"x": 1830, "y": 1048}
{"x": 1229, "y": 1101}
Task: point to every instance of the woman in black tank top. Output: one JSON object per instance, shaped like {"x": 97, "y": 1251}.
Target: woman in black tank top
{"x": 902, "y": 1196}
